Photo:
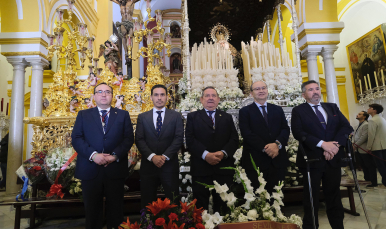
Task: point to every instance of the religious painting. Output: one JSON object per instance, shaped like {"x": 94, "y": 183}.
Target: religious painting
{"x": 175, "y": 63}
{"x": 175, "y": 30}
{"x": 367, "y": 59}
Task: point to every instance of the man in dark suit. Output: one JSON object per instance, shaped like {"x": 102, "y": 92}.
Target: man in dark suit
{"x": 265, "y": 134}
{"x": 102, "y": 136}
{"x": 159, "y": 136}
{"x": 212, "y": 140}
{"x": 322, "y": 129}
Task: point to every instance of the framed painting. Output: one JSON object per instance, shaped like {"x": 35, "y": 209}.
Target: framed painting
{"x": 367, "y": 60}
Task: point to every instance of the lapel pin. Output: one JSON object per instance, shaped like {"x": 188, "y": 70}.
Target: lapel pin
{"x": 220, "y": 114}
{"x": 115, "y": 112}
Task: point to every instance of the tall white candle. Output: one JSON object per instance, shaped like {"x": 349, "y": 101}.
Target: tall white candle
{"x": 383, "y": 78}
{"x": 367, "y": 87}
{"x": 376, "y": 80}
{"x": 368, "y": 79}
{"x": 360, "y": 86}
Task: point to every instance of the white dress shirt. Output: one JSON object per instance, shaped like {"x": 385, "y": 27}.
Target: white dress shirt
{"x": 155, "y": 116}
{"x": 213, "y": 117}
{"x": 320, "y": 108}
{"x": 260, "y": 109}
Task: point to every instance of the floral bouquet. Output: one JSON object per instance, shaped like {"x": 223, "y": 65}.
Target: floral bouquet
{"x": 33, "y": 167}
{"x": 134, "y": 158}
{"x": 60, "y": 169}
{"x": 164, "y": 215}
{"x": 294, "y": 177}
{"x": 185, "y": 177}
{"x": 75, "y": 187}
{"x": 254, "y": 206}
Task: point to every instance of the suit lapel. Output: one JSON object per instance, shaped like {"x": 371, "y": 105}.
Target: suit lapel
{"x": 205, "y": 117}
{"x": 217, "y": 118}
{"x": 97, "y": 118}
{"x": 113, "y": 115}
{"x": 259, "y": 115}
{"x": 329, "y": 114}
{"x": 149, "y": 119}
{"x": 312, "y": 115}
{"x": 167, "y": 119}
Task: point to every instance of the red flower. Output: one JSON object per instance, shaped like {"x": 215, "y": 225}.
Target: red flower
{"x": 173, "y": 216}
{"x": 37, "y": 168}
{"x": 128, "y": 225}
{"x": 197, "y": 215}
{"x": 200, "y": 226}
{"x": 186, "y": 208}
{"x": 160, "y": 205}
{"x": 160, "y": 222}
{"x": 192, "y": 228}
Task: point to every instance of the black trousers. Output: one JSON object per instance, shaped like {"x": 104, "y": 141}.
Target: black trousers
{"x": 202, "y": 194}
{"x": 150, "y": 183}
{"x": 368, "y": 165}
{"x": 93, "y": 192}
{"x": 381, "y": 164}
{"x": 272, "y": 176}
{"x": 330, "y": 178}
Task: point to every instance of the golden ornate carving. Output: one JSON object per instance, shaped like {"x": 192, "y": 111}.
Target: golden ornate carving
{"x": 32, "y": 53}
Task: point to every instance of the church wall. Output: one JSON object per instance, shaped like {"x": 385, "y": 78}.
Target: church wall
{"x": 29, "y": 11}
{"x": 356, "y": 25}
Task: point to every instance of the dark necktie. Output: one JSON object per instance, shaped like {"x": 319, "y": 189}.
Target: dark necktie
{"x": 159, "y": 122}
{"x": 210, "y": 116}
{"x": 264, "y": 114}
{"x": 320, "y": 116}
{"x": 105, "y": 119}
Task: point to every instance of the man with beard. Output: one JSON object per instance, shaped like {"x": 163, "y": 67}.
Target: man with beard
{"x": 322, "y": 129}
{"x": 212, "y": 140}
{"x": 265, "y": 132}
{"x": 159, "y": 136}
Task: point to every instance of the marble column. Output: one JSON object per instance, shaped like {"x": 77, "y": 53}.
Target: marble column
{"x": 329, "y": 69}
{"x": 15, "y": 145}
{"x": 312, "y": 66}
{"x": 36, "y": 99}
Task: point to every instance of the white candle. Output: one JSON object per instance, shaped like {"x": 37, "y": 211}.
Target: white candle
{"x": 383, "y": 78}
{"x": 376, "y": 80}
{"x": 368, "y": 79}
{"x": 360, "y": 85}
{"x": 367, "y": 88}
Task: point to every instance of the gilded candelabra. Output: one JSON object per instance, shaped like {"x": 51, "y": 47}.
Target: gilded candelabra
{"x": 59, "y": 93}
{"x": 152, "y": 52}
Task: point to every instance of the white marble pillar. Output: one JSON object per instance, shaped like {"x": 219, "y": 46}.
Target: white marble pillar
{"x": 329, "y": 70}
{"x": 15, "y": 145}
{"x": 312, "y": 66}
{"x": 36, "y": 99}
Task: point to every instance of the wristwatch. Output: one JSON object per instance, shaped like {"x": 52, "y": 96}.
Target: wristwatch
{"x": 278, "y": 144}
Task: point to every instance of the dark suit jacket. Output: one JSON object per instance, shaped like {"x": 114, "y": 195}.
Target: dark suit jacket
{"x": 168, "y": 143}
{"x": 305, "y": 123}
{"x": 201, "y": 136}
{"x": 87, "y": 137}
{"x": 257, "y": 134}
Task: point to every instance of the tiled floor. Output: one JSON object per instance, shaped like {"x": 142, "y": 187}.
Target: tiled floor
{"x": 374, "y": 198}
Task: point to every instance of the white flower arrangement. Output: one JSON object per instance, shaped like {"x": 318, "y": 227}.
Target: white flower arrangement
{"x": 256, "y": 203}
{"x": 185, "y": 177}
{"x": 55, "y": 160}
{"x": 294, "y": 177}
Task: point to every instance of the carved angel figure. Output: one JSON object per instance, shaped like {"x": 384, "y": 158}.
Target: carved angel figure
{"x": 119, "y": 81}
{"x": 73, "y": 105}
{"x": 92, "y": 80}
{"x": 89, "y": 102}
{"x": 75, "y": 91}
{"x": 119, "y": 102}
{"x": 142, "y": 83}
{"x": 110, "y": 53}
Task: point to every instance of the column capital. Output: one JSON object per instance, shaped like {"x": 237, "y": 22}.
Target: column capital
{"x": 328, "y": 52}
{"x": 37, "y": 62}
{"x": 17, "y": 62}
{"x": 310, "y": 55}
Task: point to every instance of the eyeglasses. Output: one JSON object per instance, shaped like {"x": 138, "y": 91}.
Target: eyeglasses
{"x": 100, "y": 92}
{"x": 259, "y": 88}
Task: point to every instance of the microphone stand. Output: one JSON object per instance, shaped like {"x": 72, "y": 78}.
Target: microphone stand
{"x": 309, "y": 161}
{"x": 349, "y": 159}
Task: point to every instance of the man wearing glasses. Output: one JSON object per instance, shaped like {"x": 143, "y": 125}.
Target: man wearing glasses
{"x": 102, "y": 137}
{"x": 265, "y": 132}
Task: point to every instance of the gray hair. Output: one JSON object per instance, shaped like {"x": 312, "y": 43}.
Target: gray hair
{"x": 208, "y": 87}
{"x": 307, "y": 83}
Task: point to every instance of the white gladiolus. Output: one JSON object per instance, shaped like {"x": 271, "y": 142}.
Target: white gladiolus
{"x": 184, "y": 181}
{"x": 252, "y": 214}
